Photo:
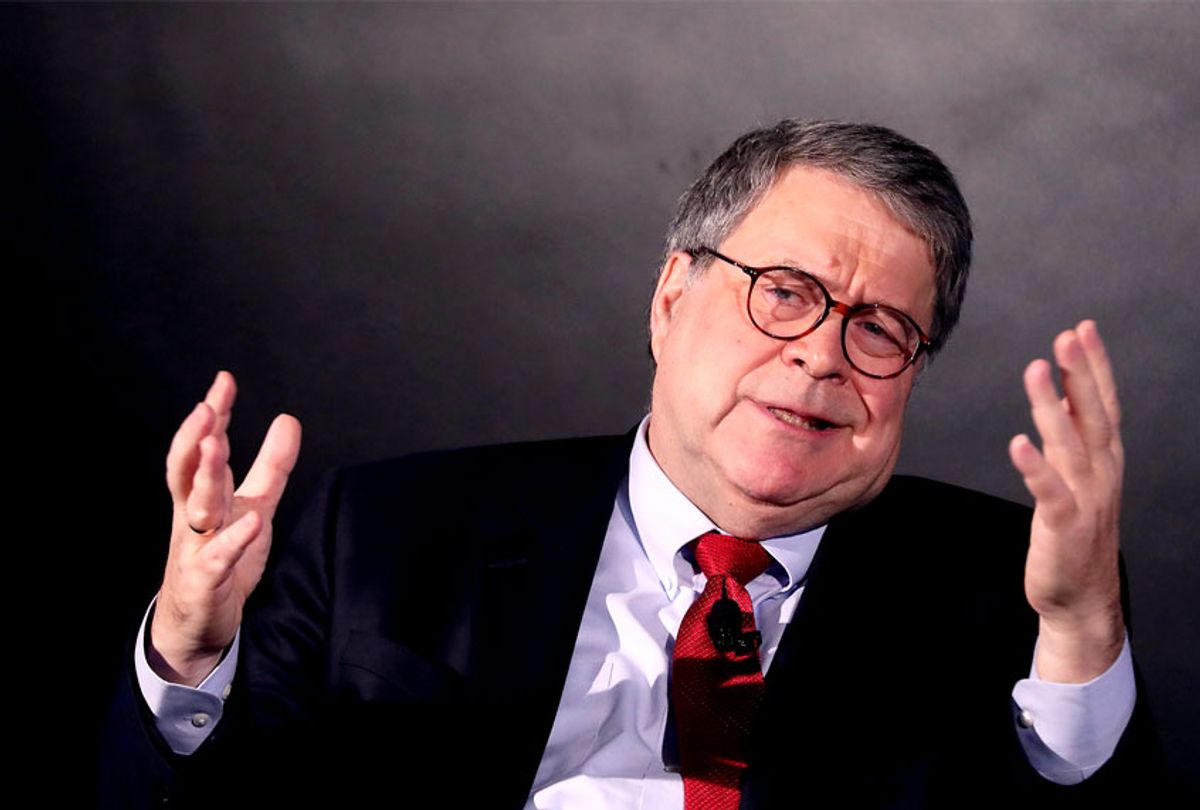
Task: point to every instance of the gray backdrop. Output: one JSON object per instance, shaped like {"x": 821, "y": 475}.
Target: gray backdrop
{"x": 424, "y": 226}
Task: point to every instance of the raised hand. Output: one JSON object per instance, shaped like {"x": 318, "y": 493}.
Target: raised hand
{"x": 220, "y": 537}
{"x": 1071, "y": 574}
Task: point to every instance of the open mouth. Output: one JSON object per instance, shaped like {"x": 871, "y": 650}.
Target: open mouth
{"x": 806, "y": 422}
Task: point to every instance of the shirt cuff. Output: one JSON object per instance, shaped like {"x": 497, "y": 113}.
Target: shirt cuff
{"x": 184, "y": 715}
{"x": 1069, "y": 730}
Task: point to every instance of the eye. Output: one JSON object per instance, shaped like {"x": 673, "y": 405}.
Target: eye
{"x": 790, "y": 288}
{"x": 880, "y": 333}
{"x": 786, "y": 301}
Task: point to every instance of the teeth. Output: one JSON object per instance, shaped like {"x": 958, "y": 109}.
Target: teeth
{"x": 799, "y": 421}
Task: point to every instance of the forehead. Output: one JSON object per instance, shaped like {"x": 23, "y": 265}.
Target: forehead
{"x": 845, "y": 235}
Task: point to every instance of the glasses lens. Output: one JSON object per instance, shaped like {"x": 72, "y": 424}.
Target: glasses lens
{"x": 786, "y": 304}
{"x": 880, "y": 341}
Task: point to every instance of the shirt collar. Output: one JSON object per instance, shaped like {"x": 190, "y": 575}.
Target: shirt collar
{"x": 665, "y": 521}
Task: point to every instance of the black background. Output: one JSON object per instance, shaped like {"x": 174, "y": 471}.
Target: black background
{"x": 420, "y": 226}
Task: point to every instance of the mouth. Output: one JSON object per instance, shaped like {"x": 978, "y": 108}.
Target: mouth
{"x": 799, "y": 420}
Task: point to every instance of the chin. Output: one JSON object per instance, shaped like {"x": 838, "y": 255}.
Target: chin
{"x": 774, "y": 481}
{"x": 812, "y": 487}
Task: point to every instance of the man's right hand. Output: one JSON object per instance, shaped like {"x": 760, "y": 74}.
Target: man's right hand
{"x": 220, "y": 537}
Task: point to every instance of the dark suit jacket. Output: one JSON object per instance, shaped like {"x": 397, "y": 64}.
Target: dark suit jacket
{"x": 411, "y": 642}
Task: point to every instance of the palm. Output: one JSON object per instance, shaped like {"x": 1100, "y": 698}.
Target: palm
{"x": 245, "y": 574}
{"x": 220, "y": 538}
{"x": 1059, "y": 566}
{"x": 1071, "y": 576}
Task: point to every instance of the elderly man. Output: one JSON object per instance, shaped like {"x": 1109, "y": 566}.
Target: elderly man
{"x": 736, "y": 604}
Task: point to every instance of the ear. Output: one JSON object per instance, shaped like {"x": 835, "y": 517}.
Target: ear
{"x": 919, "y": 367}
{"x": 672, "y": 284}
{"x": 918, "y": 373}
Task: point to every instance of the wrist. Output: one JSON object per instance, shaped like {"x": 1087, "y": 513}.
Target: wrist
{"x": 175, "y": 662}
{"x": 180, "y": 670}
{"x": 1078, "y": 650}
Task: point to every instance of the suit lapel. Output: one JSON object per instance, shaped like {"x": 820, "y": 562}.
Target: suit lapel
{"x": 822, "y": 672}
{"x": 538, "y": 571}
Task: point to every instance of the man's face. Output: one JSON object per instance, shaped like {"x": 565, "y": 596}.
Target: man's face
{"x": 769, "y": 437}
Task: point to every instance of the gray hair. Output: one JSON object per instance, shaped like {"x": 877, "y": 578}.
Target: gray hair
{"x": 907, "y": 177}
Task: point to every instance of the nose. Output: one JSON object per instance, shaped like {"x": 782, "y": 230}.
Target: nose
{"x": 819, "y": 352}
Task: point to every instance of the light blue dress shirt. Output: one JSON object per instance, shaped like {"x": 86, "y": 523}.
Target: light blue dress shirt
{"x": 605, "y": 747}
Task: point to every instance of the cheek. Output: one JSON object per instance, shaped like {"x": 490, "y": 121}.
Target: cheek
{"x": 716, "y": 362}
{"x": 710, "y": 360}
{"x": 739, "y": 370}
{"x": 885, "y": 415}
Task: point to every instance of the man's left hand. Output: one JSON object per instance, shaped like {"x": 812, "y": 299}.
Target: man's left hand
{"x": 1071, "y": 574}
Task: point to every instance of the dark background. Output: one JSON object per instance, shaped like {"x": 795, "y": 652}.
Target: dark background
{"x": 425, "y": 226}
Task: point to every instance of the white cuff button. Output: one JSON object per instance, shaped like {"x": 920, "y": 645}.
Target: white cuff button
{"x": 1025, "y": 720}
{"x": 200, "y": 719}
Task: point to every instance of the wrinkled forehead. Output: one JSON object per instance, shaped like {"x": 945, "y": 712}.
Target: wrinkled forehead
{"x": 844, "y": 234}
{"x": 897, "y": 209}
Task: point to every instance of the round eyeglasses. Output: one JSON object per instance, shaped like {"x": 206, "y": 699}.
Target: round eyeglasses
{"x": 785, "y": 303}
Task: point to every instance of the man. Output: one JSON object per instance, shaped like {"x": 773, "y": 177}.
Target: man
{"x": 587, "y": 623}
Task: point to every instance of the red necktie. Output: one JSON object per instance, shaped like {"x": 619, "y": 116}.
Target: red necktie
{"x": 716, "y": 680}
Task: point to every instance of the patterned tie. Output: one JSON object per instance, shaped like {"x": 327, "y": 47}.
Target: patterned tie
{"x": 716, "y": 681}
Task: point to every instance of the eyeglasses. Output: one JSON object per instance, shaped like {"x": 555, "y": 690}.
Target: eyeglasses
{"x": 786, "y": 303}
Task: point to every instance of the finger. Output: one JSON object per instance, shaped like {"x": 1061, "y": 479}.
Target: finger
{"x": 1082, "y": 393}
{"x": 1053, "y": 496}
{"x": 274, "y": 463}
{"x": 220, "y": 397}
{"x": 1097, "y": 356}
{"x": 1060, "y": 440}
{"x": 219, "y": 556}
{"x": 207, "y": 502}
{"x": 184, "y": 453}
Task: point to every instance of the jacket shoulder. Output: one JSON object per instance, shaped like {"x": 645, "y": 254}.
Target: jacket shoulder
{"x": 497, "y": 491}
{"x": 920, "y": 524}
{"x": 547, "y": 458}
{"x": 910, "y": 493}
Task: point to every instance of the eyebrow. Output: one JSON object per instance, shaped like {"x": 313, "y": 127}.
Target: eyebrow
{"x": 790, "y": 264}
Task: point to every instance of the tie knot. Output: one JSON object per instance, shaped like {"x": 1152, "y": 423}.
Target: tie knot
{"x": 722, "y": 555}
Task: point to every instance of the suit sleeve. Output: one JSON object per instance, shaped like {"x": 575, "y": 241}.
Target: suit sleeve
{"x": 184, "y": 716}
{"x": 269, "y": 696}
{"x": 1133, "y": 773}
{"x": 1069, "y": 731}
